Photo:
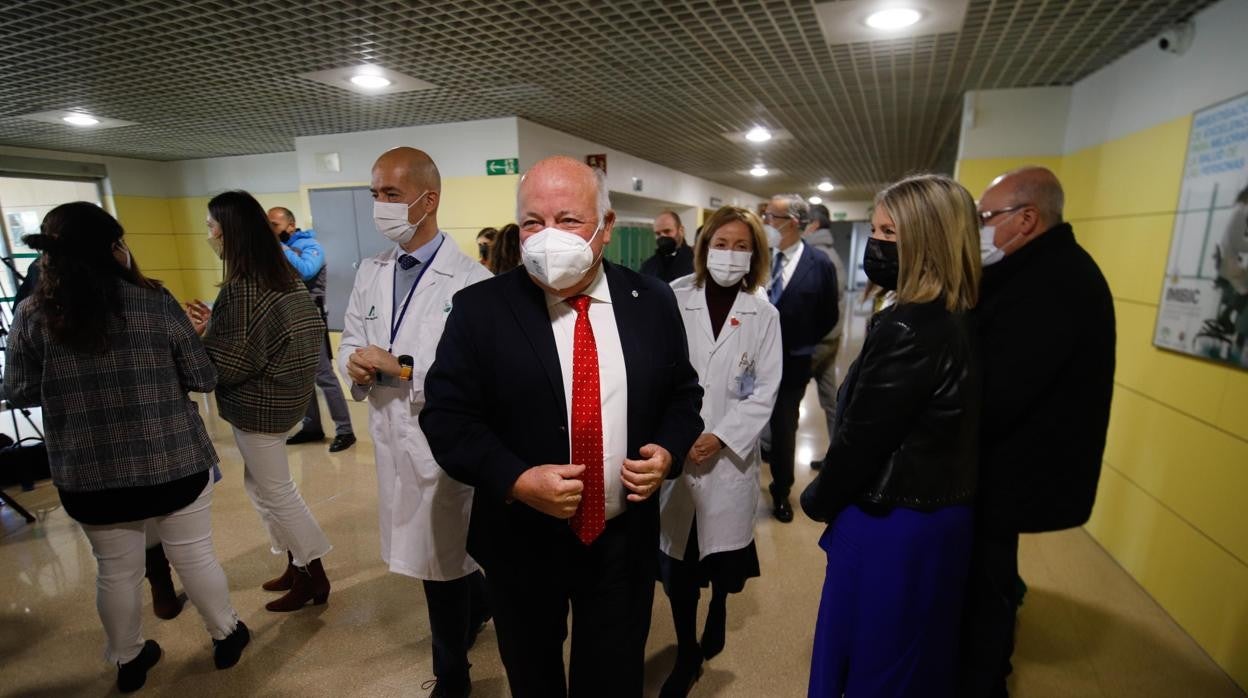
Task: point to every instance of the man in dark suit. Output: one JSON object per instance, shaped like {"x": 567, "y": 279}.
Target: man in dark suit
{"x": 804, "y": 289}
{"x": 672, "y": 258}
{"x": 562, "y": 392}
{"x": 1047, "y": 337}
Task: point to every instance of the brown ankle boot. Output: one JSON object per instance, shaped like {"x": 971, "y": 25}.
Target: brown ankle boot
{"x": 166, "y": 603}
{"x": 310, "y": 584}
{"x": 284, "y": 582}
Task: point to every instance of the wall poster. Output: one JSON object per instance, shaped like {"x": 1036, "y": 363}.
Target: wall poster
{"x": 1204, "y": 301}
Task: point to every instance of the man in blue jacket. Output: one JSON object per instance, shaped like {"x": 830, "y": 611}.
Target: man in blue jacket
{"x": 308, "y": 258}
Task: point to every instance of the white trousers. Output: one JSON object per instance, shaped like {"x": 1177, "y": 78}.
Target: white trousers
{"x": 267, "y": 480}
{"x": 120, "y": 552}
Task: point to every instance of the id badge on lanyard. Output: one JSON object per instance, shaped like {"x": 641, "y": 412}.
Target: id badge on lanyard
{"x": 398, "y": 315}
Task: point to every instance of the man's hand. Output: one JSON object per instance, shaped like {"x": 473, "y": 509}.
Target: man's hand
{"x": 364, "y": 364}
{"x": 643, "y": 477}
{"x": 705, "y": 448}
{"x": 199, "y": 314}
{"x": 554, "y": 490}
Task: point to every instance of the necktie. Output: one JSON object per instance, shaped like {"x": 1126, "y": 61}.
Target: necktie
{"x": 407, "y": 261}
{"x": 777, "y": 279}
{"x": 591, "y": 517}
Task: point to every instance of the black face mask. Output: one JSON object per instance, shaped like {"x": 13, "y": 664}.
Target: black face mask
{"x": 284, "y": 237}
{"x": 879, "y": 261}
{"x": 483, "y": 250}
{"x": 665, "y": 245}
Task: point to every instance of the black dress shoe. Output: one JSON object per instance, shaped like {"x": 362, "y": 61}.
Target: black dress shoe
{"x": 342, "y": 442}
{"x": 133, "y": 674}
{"x": 305, "y": 437}
{"x": 782, "y": 510}
{"x": 225, "y": 653}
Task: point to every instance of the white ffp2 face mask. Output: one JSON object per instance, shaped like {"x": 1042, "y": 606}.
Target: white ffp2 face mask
{"x": 558, "y": 258}
{"x": 728, "y": 267}
{"x": 391, "y": 220}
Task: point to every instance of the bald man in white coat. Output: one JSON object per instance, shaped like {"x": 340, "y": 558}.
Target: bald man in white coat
{"x": 393, "y": 322}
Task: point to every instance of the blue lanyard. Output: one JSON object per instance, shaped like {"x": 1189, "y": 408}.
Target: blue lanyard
{"x": 397, "y": 322}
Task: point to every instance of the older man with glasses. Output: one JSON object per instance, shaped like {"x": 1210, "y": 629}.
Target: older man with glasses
{"x": 1046, "y": 327}
{"x": 804, "y": 289}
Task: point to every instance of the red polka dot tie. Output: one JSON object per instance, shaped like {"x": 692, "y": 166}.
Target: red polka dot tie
{"x": 591, "y": 517}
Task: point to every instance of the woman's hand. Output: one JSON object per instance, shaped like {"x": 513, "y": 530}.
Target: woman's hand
{"x": 199, "y": 314}
{"x": 705, "y": 448}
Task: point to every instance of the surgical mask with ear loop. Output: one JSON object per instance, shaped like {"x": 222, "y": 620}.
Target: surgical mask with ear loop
{"x": 120, "y": 246}
{"x": 989, "y": 253}
{"x": 391, "y": 220}
{"x": 558, "y": 258}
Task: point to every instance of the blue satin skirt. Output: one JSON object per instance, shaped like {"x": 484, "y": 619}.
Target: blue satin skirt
{"x": 891, "y": 605}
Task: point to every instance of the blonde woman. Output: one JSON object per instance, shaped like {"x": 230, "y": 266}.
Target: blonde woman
{"x": 707, "y": 514}
{"x": 899, "y": 475}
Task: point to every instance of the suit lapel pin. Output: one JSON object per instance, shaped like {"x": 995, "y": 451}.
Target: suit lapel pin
{"x": 734, "y": 321}
{"x": 634, "y": 293}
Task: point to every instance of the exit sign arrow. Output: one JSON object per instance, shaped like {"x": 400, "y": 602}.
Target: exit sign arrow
{"x": 503, "y": 166}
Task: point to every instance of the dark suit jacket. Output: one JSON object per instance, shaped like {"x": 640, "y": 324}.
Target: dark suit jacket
{"x": 669, "y": 267}
{"x": 495, "y": 401}
{"x": 808, "y": 311}
{"x": 1046, "y": 321}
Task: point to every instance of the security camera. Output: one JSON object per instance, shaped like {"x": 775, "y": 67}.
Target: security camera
{"x": 1177, "y": 39}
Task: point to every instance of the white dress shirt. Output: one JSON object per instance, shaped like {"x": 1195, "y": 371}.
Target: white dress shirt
{"x": 612, "y": 380}
{"x": 792, "y": 253}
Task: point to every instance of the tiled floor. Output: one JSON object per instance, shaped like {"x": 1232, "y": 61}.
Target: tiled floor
{"x": 1086, "y": 629}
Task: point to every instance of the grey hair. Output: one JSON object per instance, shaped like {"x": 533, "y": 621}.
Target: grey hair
{"x": 797, "y": 207}
{"x": 602, "y": 198}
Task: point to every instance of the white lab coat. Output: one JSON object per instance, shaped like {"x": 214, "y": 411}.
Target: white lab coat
{"x": 723, "y": 493}
{"x": 424, "y": 513}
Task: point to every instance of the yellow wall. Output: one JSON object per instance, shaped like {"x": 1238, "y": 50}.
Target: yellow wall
{"x": 468, "y": 205}
{"x": 1171, "y": 503}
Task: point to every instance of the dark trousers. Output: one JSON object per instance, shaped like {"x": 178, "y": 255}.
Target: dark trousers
{"x": 989, "y": 615}
{"x": 609, "y": 586}
{"x": 455, "y": 608}
{"x": 784, "y": 427}
{"x": 327, "y": 381}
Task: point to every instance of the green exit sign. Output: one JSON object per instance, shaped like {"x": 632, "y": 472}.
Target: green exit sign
{"x": 505, "y": 166}
{"x": 840, "y": 215}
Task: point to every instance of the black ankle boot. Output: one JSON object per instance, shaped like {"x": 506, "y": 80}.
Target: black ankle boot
{"x": 715, "y": 629}
{"x": 225, "y": 653}
{"x": 687, "y": 671}
{"x": 133, "y": 674}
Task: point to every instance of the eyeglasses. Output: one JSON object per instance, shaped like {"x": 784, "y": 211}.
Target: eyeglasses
{"x": 768, "y": 215}
{"x": 985, "y": 216}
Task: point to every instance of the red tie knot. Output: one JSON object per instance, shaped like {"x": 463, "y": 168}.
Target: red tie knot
{"x": 580, "y": 303}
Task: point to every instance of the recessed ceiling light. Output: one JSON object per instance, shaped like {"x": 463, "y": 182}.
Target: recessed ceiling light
{"x": 80, "y": 120}
{"x": 370, "y": 82}
{"x": 759, "y": 171}
{"x": 815, "y": 200}
{"x": 826, "y": 186}
{"x": 893, "y": 18}
{"x": 758, "y": 134}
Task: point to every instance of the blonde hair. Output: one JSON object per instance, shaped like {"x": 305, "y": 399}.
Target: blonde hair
{"x": 760, "y": 259}
{"x": 937, "y": 240}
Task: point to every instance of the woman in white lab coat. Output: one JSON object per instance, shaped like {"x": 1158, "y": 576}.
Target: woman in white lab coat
{"x": 707, "y": 513}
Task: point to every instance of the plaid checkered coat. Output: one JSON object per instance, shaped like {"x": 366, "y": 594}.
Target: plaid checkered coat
{"x": 266, "y": 346}
{"x": 121, "y": 418}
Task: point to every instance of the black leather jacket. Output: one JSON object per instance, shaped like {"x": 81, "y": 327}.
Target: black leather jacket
{"x": 907, "y": 428}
